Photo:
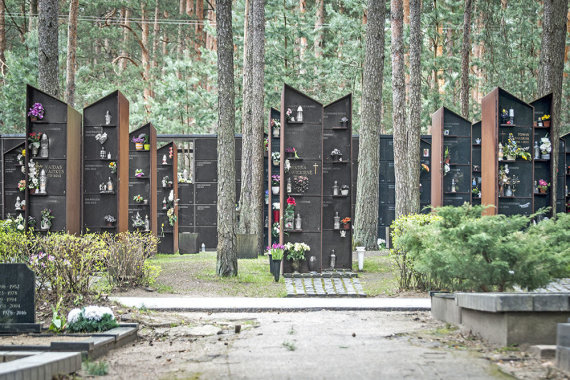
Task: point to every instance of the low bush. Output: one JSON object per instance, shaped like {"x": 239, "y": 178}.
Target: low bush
{"x": 462, "y": 250}
{"x": 408, "y": 276}
{"x": 126, "y": 257}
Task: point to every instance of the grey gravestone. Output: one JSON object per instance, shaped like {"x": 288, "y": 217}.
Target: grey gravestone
{"x": 17, "y": 298}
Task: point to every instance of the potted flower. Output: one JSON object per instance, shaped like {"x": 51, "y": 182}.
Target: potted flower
{"x": 139, "y": 173}
{"x": 346, "y": 223}
{"x": 296, "y": 254}
{"x": 110, "y": 220}
{"x": 476, "y": 192}
{"x": 360, "y": 249}
{"x": 172, "y": 218}
{"x": 344, "y": 122}
{"x": 34, "y": 139}
{"x": 512, "y": 150}
{"x": 344, "y": 190}
{"x": 545, "y": 148}
{"x": 137, "y": 221}
{"x": 113, "y": 167}
{"x": 46, "y": 220}
{"x": 290, "y": 213}
{"x": 22, "y": 185}
{"x": 276, "y": 157}
{"x": 275, "y": 230}
{"x": 291, "y": 152}
{"x": 139, "y": 142}
{"x": 36, "y": 112}
{"x": 21, "y": 157}
{"x": 146, "y": 142}
{"x": 275, "y": 179}
{"x": 138, "y": 198}
{"x": 165, "y": 180}
{"x": 336, "y": 155}
{"x": 546, "y": 120}
{"x": 542, "y": 186}
{"x": 265, "y": 146}
{"x": 275, "y": 126}
{"x": 32, "y": 222}
{"x": 276, "y": 252}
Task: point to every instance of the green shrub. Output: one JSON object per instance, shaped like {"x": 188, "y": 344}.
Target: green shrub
{"x": 466, "y": 251}
{"x": 125, "y": 261}
{"x": 64, "y": 264}
{"x": 13, "y": 243}
{"x": 408, "y": 277}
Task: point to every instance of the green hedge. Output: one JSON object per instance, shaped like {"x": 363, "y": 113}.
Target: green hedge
{"x": 458, "y": 249}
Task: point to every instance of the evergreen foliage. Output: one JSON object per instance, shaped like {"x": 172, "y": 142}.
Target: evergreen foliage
{"x": 505, "y": 40}
{"x": 458, "y": 249}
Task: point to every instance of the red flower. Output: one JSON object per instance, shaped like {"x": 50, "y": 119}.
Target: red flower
{"x": 291, "y": 201}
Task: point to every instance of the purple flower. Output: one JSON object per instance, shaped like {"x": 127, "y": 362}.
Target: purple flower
{"x": 37, "y": 110}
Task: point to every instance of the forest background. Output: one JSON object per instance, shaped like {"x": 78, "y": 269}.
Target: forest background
{"x": 162, "y": 56}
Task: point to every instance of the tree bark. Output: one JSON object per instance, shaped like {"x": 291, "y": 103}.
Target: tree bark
{"x": 415, "y": 126}
{"x": 319, "y": 33}
{"x": 155, "y": 33}
{"x": 551, "y": 74}
{"x": 226, "y": 264}
{"x": 2, "y": 38}
{"x": 257, "y": 103}
{"x": 32, "y": 23}
{"x": 246, "y": 193}
{"x": 199, "y": 25}
{"x": 48, "y": 47}
{"x": 71, "y": 52}
{"x": 465, "y": 53}
{"x": 403, "y": 188}
{"x": 366, "y": 218}
{"x": 123, "y": 62}
{"x": 145, "y": 58}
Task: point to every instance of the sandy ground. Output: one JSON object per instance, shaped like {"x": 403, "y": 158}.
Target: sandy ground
{"x": 312, "y": 345}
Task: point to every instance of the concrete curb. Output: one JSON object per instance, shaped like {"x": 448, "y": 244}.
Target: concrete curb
{"x": 94, "y": 345}
{"x": 247, "y": 305}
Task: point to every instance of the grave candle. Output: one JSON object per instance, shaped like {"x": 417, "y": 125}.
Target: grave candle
{"x": 44, "y": 143}
{"x": 43, "y": 181}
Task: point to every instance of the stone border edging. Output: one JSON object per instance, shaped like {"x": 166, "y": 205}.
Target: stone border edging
{"x": 94, "y": 346}
{"x": 42, "y": 365}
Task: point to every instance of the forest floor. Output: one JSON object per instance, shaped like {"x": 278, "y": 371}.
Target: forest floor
{"x": 195, "y": 275}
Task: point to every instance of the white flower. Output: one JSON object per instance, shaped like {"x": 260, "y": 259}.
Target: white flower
{"x": 73, "y": 315}
{"x": 96, "y": 313}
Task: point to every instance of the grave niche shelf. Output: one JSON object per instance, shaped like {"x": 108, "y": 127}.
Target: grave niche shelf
{"x": 541, "y": 160}
{"x": 168, "y": 244}
{"x": 495, "y": 131}
{"x": 295, "y": 122}
{"x": 98, "y": 204}
{"x": 340, "y": 196}
{"x": 39, "y": 194}
{"x": 337, "y": 162}
{"x": 294, "y": 194}
{"x": 541, "y": 194}
{"x": 293, "y": 231}
{"x": 459, "y": 143}
{"x": 62, "y": 125}
{"x": 475, "y": 144}
{"x": 339, "y": 128}
{"x": 145, "y": 159}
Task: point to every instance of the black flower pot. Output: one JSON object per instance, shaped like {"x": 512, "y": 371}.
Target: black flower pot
{"x": 270, "y": 264}
{"x": 276, "y": 265}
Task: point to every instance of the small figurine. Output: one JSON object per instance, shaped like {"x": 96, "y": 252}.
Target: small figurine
{"x": 164, "y": 162}
{"x": 146, "y": 223}
{"x": 18, "y": 204}
{"x": 107, "y": 118}
{"x": 44, "y": 146}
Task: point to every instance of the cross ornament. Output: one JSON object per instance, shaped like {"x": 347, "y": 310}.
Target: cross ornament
{"x": 316, "y": 166}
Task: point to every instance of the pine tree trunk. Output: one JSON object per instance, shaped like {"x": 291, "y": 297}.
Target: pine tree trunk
{"x": 257, "y": 103}
{"x": 366, "y": 218}
{"x": 199, "y": 25}
{"x": 124, "y": 53}
{"x": 33, "y": 22}
{"x": 145, "y": 58}
{"x": 551, "y": 74}
{"x": 226, "y": 264}
{"x": 465, "y": 52}
{"x": 71, "y": 52}
{"x": 155, "y": 33}
{"x": 47, "y": 47}
{"x": 403, "y": 188}
{"x": 2, "y": 38}
{"x": 246, "y": 193}
{"x": 189, "y": 7}
{"x": 319, "y": 33}
{"x": 414, "y": 129}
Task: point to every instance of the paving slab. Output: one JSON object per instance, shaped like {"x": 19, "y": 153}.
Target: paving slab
{"x": 248, "y": 304}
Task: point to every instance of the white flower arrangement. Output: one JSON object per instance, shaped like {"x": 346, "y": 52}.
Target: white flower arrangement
{"x": 92, "y": 313}
{"x": 287, "y": 166}
{"x": 101, "y": 137}
{"x": 545, "y": 145}
{"x": 275, "y": 156}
